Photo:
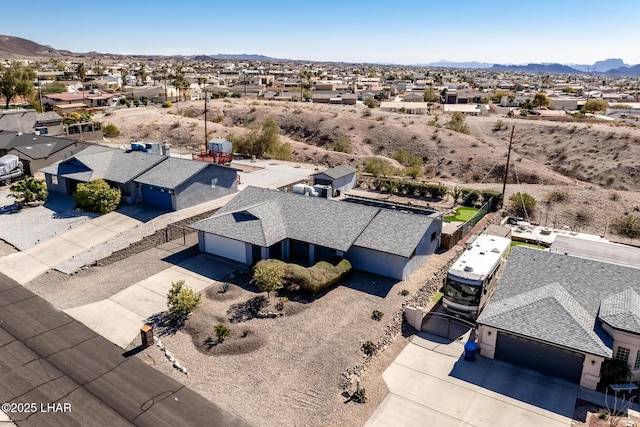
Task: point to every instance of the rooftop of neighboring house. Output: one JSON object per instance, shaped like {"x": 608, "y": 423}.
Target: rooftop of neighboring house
{"x": 562, "y": 300}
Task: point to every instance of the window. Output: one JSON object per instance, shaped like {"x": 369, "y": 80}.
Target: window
{"x": 622, "y": 354}
{"x": 214, "y": 182}
{"x": 54, "y": 179}
{"x": 433, "y": 236}
{"x": 637, "y": 364}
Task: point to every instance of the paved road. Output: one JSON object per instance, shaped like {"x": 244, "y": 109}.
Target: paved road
{"x": 48, "y": 358}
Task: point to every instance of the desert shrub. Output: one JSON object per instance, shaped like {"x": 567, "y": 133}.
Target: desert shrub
{"x": 594, "y": 106}
{"x": 236, "y": 95}
{"x": 412, "y": 171}
{"x": 377, "y": 315}
{"x": 522, "y": 204}
{"x": 268, "y": 276}
{"x": 404, "y": 157}
{"x": 457, "y": 123}
{"x": 342, "y": 145}
{"x": 614, "y": 197}
{"x": 499, "y": 125}
{"x": 376, "y": 166}
{"x": 359, "y": 396}
{"x": 369, "y": 348}
{"x": 626, "y": 225}
{"x": 557, "y": 196}
{"x": 280, "y": 304}
{"x": 224, "y": 288}
{"x": 262, "y": 140}
{"x": 404, "y": 292}
{"x": 28, "y": 190}
{"x": 366, "y": 113}
{"x": 221, "y": 332}
{"x": 97, "y": 196}
{"x": 182, "y": 300}
{"x": 110, "y": 130}
{"x": 369, "y": 102}
{"x": 582, "y": 217}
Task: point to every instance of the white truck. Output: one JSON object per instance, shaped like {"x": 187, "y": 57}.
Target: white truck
{"x": 10, "y": 168}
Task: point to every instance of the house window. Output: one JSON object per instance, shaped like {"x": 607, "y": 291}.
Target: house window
{"x": 622, "y": 354}
{"x": 214, "y": 182}
{"x": 433, "y": 236}
{"x": 54, "y": 179}
{"x": 637, "y": 364}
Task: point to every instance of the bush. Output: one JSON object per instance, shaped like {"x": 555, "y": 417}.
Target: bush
{"x": 376, "y": 166}
{"x": 413, "y": 171}
{"x": 224, "y": 288}
{"x": 221, "y": 332}
{"x": 404, "y": 292}
{"x": 377, "y": 315}
{"x": 262, "y": 140}
{"x": 369, "y": 102}
{"x": 626, "y": 225}
{"x": 97, "y": 196}
{"x": 311, "y": 279}
{"x": 369, "y": 348}
{"x": 110, "y": 131}
{"x": 457, "y": 123}
{"x": 359, "y": 396}
{"x": 342, "y": 145}
{"x": 28, "y": 190}
{"x": 470, "y": 197}
{"x": 494, "y": 196}
{"x": 499, "y": 125}
{"x": 522, "y": 204}
{"x": 167, "y": 104}
{"x": 557, "y": 196}
{"x": 182, "y": 300}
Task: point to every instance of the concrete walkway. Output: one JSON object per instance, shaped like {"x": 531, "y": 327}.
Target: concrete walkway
{"x": 120, "y": 317}
{"x": 431, "y": 384}
{"x": 31, "y": 263}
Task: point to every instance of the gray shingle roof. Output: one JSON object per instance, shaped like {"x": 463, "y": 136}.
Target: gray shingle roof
{"x": 556, "y": 298}
{"x": 264, "y": 217}
{"x": 107, "y": 163}
{"x": 338, "y": 171}
{"x": 39, "y": 147}
{"x": 394, "y": 232}
{"x": 172, "y": 172}
{"x": 622, "y": 311}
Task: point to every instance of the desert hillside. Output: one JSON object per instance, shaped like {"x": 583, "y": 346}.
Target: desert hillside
{"x": 596, "y": 165}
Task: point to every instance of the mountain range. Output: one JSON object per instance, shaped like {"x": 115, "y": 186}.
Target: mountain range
{"x": 16, "y": 47}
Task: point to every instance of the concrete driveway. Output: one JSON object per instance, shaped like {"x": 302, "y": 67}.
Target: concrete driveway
{"x": 120, "y": 317}
{"x": 431, "y": 384}
{"x": 27, "y": 265}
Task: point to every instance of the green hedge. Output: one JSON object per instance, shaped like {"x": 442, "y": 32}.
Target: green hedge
{"x": 434, "y": 191}
{"x": 316, "y": 278}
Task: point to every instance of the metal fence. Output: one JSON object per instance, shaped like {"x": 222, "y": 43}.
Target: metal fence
{"x": 466, "y": 228}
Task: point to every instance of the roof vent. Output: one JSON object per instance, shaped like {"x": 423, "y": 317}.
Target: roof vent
{"x": 468, "y": 268}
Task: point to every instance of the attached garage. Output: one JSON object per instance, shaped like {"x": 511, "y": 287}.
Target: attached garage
{"x": 157, "y": 196}
{"x": 224, "y": 247}
{"x": 541, "y": 357}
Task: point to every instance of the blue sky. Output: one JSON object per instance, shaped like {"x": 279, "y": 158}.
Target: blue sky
{"x": 406, "y": 32}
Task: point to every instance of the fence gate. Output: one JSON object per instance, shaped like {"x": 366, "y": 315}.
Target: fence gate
{"x": 445, "y": 325}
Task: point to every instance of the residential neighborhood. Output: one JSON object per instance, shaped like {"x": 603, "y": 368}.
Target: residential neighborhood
{"x": 371, "y": 236}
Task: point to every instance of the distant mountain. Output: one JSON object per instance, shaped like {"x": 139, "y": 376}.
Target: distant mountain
{"x": 600, "y": 66}
{"x": 16, "y": 47}
{"x": 626, "y": 71}
{"x": 538, "y": 68}
{"x": 234, "y": 57}
{"x": 452, "y": 64}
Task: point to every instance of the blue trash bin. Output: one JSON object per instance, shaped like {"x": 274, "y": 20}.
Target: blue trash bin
{"x": 470, "y": 348}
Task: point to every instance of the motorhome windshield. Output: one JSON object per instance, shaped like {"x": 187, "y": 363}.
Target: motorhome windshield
{"x": 462, "y": 293}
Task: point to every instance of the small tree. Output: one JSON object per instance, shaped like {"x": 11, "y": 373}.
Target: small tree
{"x": 182, "y": 300}
{"x": 369, "y": 102}
{"x": 522, "y": 204}
{"x": 540, "y": 99}
{"x": 97, "y": 196}
{"x": 268, "y": 277}
{"x": 376, "y": 166}
{"x": 221, "y": 332}
{"x": 28, "y": 190}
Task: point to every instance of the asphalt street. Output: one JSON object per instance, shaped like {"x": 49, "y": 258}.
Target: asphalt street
{"x": 54, "y": 371}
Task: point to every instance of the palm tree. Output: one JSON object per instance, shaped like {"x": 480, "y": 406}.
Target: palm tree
{"x": 123, "y": 75}
{"x": 29, "y": 190}
{"x": 614, "y": 371}
{"x": 81, "y": 71}
{"x": 164, "y": 71}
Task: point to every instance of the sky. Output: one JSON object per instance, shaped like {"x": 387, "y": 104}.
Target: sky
{"x": 409, "y": 32}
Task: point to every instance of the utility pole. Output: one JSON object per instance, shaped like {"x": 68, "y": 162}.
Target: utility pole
{"x": 506, "y": 169}
{"x": 206, "y": 101}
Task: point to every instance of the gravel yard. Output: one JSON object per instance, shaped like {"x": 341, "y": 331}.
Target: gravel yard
{"x": 28, "y": 226}
{"x": 291, "y": 369}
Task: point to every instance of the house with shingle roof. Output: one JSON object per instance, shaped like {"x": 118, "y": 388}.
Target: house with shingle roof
{"x": 262, "y": 223}
{"x": 159, "y": 180}
{"x": 563, "y": 315}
